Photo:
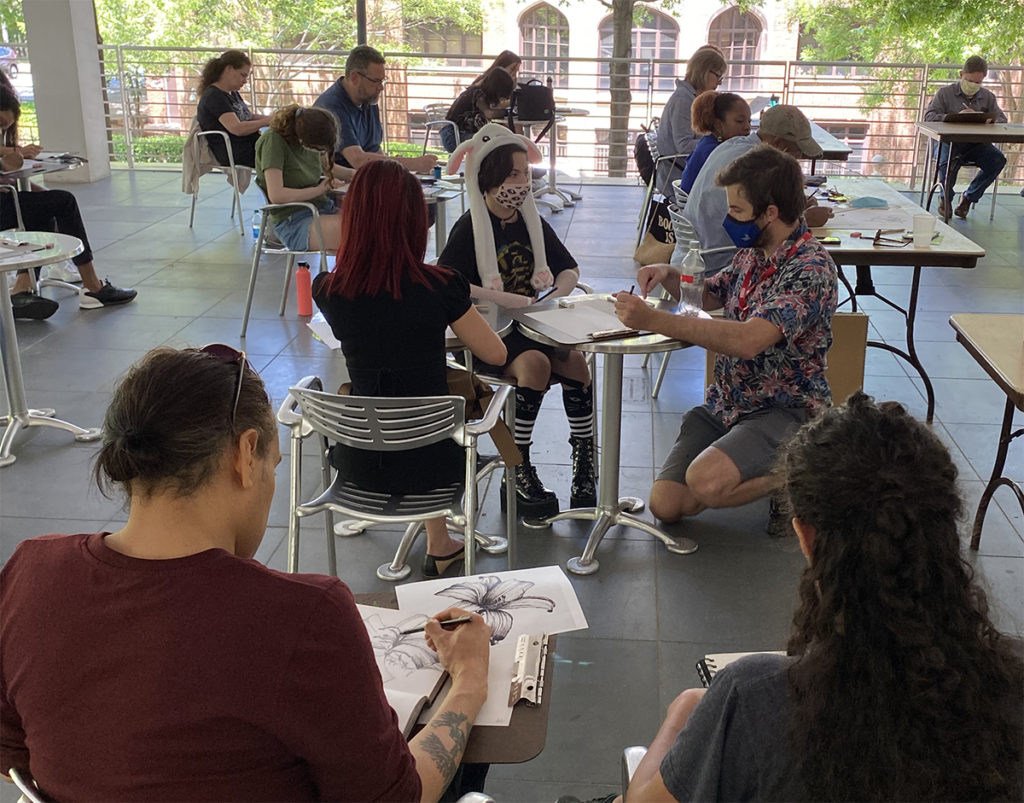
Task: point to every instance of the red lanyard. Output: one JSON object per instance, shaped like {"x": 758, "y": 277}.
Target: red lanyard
{"x": 748, "y": 280}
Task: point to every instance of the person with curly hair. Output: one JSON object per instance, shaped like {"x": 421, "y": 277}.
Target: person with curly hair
{"x": 897, "y": 685}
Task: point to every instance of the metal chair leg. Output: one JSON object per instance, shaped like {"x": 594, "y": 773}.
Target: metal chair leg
{"x": 399, "y": 568}
{"x": 661, "y": 374}
{"x": 192, "y": 211}
{"x": 469, "y": 509}
{"x": 288, "y": 265}
{"x": 257, "y": 253}
{"x": 294, "y": 489}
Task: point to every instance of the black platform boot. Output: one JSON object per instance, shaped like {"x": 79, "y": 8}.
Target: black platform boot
{"x": 533, "y": 500}
{"x": 584, "y": 473}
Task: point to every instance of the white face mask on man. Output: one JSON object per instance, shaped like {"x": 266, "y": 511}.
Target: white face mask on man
{"x": 969, "y": 88}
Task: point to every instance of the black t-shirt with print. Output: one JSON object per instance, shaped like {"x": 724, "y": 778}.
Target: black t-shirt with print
{"x": 513, "y": 249}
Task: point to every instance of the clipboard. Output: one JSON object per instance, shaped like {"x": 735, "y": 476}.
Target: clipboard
{"x": 969, "y": 116}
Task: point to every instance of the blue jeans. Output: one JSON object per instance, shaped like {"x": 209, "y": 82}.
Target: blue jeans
{"x": 988, "y": 158}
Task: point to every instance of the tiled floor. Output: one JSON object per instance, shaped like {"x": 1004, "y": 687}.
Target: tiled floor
{"x": 652, "y": 614}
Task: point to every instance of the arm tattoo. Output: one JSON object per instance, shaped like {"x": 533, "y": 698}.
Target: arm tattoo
{"x": 447, "y": 759}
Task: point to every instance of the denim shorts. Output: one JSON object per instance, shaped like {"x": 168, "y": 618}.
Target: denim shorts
{"x": 293, "y": 231}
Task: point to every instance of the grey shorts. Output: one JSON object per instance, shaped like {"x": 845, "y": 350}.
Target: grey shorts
{"x": 751, "y": 443}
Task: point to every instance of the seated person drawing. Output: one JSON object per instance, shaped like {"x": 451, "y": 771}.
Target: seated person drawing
{"x": 718, "y": 116}
{"x": 510, "y": 255}
{"x": 894, "y": 665}
{"x": 484, "y": 101}
{"x": 221, "y": 108}
{"x": 352, "y": 99}
{"x": 967, "y": 95}
{"x": 199, "y": 672}
{"x": 293, "y": 163}
{"x": 778, "y": 296}
{"x": 389, "y": 310}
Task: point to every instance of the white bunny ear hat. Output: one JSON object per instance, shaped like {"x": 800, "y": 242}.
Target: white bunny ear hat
{"x": 485, "y": 140}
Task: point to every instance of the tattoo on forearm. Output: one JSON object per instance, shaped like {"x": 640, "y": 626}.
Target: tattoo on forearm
{"x": 447, "y": 759}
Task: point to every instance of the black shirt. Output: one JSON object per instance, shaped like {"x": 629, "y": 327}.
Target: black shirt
{"x": 215, "y": 102}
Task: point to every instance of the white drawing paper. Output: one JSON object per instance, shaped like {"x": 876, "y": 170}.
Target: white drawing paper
{"x": 495, "y": 710}
{"x": 533, "y": 601}
{"x": 869, "y": 220}
{"x": 579, "y": 320}
{"x": 405, "y": 661}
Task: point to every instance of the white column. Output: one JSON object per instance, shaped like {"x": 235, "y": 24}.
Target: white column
{"x": 62, "y": 43}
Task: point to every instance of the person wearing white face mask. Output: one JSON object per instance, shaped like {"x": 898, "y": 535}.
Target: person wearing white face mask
{"x": 968, "y": 94}
{"x": 511, "y": 256}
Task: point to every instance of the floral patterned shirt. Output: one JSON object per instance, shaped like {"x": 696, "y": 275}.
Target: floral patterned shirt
{"x": 796, "y": 290}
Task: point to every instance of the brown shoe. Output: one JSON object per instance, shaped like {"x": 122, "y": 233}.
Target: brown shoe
{"x": 962, "y": 208}
{"x": 944, "y": 211}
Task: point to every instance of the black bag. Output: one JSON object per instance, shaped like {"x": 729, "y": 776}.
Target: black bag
{"x": 644, "y": 160}
{"x": 533, "y": 101}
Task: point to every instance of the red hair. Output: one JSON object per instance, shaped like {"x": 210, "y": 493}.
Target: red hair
{"x": 383, "y": 234}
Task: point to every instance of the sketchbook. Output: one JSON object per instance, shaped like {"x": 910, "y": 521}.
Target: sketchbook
{"x": 571, "y": 322}
{"x": 710, "y": 665}
{"x": 410, "y": 670}
{"x": 969, "y": 117}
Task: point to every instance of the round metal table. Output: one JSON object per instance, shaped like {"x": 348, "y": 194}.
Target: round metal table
{"x": 62, "y": 246}
{"x": 611, "y": 509}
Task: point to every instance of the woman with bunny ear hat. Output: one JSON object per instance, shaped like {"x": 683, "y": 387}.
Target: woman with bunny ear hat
{"x": 510, "y": 255}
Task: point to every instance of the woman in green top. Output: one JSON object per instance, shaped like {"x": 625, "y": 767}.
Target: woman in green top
{"x": 294, "y": 162}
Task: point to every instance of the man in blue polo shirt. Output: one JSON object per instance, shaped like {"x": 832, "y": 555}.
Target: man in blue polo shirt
{"x": 353, "y": 100}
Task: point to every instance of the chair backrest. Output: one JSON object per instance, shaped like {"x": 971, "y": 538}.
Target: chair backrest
{"x": 382, "y": 424}
{"x": 436, "y": 112}
{"x": 681, "y": 227}
{"x": 30, "y": 791}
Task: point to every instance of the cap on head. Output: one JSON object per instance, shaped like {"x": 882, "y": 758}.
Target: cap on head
{"x": 789, "y": 123}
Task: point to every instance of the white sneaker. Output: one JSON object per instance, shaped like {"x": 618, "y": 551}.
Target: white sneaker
{"x": 65, "y": 272}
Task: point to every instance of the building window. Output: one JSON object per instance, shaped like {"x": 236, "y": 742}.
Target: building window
{"x": 654, "y": 37}
{"x": 544, "y": 44}
{"x": 738, "y": 35}
{"x": 444, "y": 39}
{"x": 854, "y": 136}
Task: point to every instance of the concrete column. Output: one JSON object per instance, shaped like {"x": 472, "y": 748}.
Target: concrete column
{"x": 62, "y": 42}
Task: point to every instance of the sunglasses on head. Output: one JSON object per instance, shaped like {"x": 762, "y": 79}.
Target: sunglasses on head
{"x": 232, "y": 356}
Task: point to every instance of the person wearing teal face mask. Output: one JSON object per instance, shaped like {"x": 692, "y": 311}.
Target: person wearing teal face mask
{"x": 778, "y": 296}
{"x": 967, "y": 94}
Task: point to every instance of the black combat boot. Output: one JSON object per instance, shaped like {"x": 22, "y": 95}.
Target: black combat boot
{"x": 584, "y": 473}
{"x": 533, "y": 500}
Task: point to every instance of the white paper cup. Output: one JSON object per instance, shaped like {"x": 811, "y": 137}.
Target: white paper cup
{"x": 924, "y": 228}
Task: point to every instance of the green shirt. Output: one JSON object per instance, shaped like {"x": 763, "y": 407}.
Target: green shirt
{"x": 300, "y": 168}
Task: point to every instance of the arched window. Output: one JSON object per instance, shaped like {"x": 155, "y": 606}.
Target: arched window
{"x": 544, "y": 44}
{"x": 654, "y": 37}
{"x": 738, "y": 34}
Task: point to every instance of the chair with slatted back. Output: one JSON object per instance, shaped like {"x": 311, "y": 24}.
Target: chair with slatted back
{"x": 386, "y": 424}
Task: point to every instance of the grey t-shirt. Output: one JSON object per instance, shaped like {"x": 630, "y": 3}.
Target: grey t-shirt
{"x": 735, "y": 745}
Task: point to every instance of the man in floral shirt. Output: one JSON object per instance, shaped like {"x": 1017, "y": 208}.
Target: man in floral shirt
{"x": 778, "y": 296}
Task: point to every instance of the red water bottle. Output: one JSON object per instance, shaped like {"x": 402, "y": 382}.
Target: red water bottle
{"x": 304, "y": 289}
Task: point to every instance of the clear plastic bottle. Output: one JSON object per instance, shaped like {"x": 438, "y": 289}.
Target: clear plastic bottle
{"x": 691, "y": 277}
{"x": 256, "y": 220}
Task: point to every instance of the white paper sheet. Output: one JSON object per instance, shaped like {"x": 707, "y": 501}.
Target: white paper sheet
{"x": 540, "y": 600}
{"x": 495, "y": 710}
{"x": 579, "y": 320}
{"x": 869, "y": 220}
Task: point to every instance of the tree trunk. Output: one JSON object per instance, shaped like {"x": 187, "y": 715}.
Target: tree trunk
{"x": 622, "y": 48}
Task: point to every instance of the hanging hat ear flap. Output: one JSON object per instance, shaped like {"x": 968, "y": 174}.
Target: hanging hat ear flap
{"x": 532, "y": 151}
{"x": 460, "y": 153}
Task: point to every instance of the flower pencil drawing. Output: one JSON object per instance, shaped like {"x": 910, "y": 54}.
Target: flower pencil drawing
{"x": 399, "y": 654}
{"x": 493, "y": 598}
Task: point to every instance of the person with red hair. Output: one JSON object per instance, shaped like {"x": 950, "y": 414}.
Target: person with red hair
{"x": 390, "y": 310}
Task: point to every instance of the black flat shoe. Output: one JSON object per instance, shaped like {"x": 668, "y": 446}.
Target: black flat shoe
{"x": 32, "y": 306}
{"x": 435, "y": 566}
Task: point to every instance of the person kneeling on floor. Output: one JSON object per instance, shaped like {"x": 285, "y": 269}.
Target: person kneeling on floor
{"x": 778, "y": 296}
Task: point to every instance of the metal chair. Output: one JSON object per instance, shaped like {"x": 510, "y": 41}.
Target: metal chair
{"x": 262, "y": 247}
{"x": 207, "y": 164}
{"x": 939, "y": 183}
{"x": 386, "y": 424}
{"x": 30, "y": 791}
{"x": 652, "y": 146}
{"x": 437, "y": 120}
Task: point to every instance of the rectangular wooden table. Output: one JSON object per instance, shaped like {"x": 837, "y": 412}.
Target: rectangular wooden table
{"x": 997, "y": 343}
{"x": 524, "y": 737}
{"x": 942, "y": 133}
{"x": 951, "y": 250}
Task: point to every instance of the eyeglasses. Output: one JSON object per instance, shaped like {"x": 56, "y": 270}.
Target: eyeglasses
{"x": 720, "y": 76}
{"x": 377, "y": 81}
{"x": 230, "y": 355}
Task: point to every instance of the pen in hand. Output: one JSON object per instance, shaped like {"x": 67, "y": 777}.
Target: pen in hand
{"x": 458, "y": 620}
{"x": 538, "y": 299}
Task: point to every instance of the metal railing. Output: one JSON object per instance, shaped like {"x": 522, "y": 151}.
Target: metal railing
{"x": 151, "y": 96}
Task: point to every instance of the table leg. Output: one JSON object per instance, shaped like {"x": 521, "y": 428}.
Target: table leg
{"x": 19, "y": 416}
{"x": 440, "y": 227}
{"x": 997, "y": 479}
{"x": 610, "y": 509}
{"x": 925, "y": 185}
{"x": 866, "y": 287}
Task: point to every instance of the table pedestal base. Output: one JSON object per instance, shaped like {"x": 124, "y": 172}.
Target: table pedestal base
{"x": 38, "y": 418}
